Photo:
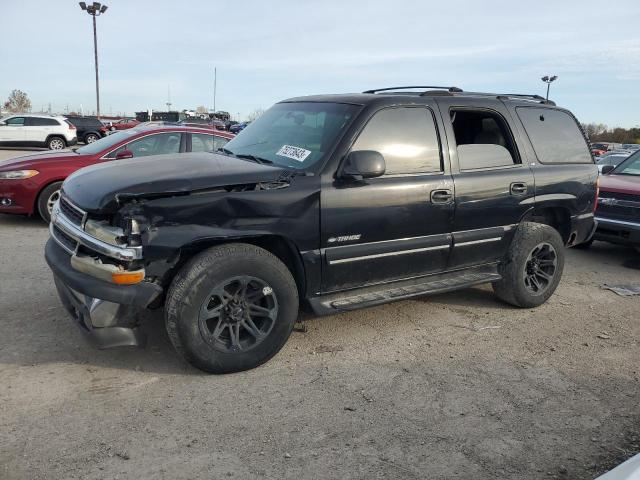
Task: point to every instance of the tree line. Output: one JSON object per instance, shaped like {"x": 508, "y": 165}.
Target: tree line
{"x": 599, "y": 132}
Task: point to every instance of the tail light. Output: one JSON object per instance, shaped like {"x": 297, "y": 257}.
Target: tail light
{"x": 71, "y": 125}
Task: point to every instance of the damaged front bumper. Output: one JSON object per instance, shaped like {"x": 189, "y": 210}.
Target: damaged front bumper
{"x": 105, "y": 312}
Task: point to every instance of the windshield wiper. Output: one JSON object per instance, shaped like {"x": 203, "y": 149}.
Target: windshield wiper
{"x": 253, "y": 158}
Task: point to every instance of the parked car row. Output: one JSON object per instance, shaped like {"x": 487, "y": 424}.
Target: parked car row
{"x": 31, "y": 184}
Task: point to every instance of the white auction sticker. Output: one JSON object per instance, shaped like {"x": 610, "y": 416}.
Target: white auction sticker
{"x": 296, "y": 153}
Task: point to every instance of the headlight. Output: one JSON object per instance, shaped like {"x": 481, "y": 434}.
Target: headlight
{"x": 18, "y": 174}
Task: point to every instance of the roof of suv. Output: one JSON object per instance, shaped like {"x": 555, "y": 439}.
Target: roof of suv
{"x": 370, "y": 96}
{"x": 37, "y": 115}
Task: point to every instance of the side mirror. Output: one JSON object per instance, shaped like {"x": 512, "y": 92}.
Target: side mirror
{"x": 124, "y": 154}
{"x": 606, "y": 169}
{"x": 363, "y": 164}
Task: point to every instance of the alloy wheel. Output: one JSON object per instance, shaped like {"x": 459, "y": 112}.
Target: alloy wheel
{"x": 238, "y": 314}
{"x": 56, "y": 144}
{"x": 51, "y": 201}
{"x": 540, "y": 268}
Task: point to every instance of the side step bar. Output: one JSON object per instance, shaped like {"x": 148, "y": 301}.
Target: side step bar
{"x": 389, "y": 292}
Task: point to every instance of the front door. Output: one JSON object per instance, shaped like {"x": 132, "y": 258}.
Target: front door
{"x": 395, "y": 226}
{"x": 13, "y": 131}
{"x": 494, "y": 184}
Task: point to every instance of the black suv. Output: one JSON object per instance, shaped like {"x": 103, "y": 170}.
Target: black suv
{"x": 334, "y": 202}
{"x": 90, "y": 129}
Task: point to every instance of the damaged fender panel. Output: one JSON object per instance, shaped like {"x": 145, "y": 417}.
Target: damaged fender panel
{"x": 291, "y": 211}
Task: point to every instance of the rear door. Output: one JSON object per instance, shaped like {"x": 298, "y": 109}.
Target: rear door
{"x": 37, "y": 129}
{"x": 494, "y": 185}
{"x": 13, "y": 132}
{"x": 396, "y": 226}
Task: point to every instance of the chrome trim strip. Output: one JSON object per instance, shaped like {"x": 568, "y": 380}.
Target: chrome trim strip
{"x": 388, "y": 254}
{"x": 121, "y": 253}
{"x": 618, "y": 222}
{"x": 475, "y": 242}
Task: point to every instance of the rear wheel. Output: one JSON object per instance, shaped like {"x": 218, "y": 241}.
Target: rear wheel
{"x": 231, "y": 308}
{"x": 47, "y": 199}
{"x": 90, "y": 138}
{"x": 533, "y": 267}
{"x": 56, "y": 143}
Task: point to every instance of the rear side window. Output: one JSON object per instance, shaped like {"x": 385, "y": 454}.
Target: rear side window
{"x": 555, "y": 135}
{"x": 406, "y": 137}
{"x": 483, "y": 140}
{"x": 40, "y": 122}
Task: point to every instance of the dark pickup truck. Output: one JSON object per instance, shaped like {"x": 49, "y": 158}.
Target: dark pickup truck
{"x": 332, "y": 202}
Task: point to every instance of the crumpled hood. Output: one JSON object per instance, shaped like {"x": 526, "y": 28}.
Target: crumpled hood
{"x": 99, "y": 188}
{"x": 24, "y": 162}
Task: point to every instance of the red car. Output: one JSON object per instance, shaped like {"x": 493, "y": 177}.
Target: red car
{"x": 123, "y": 124}
{"x": 31, "y": 184}
{"x": 618, "y": 210}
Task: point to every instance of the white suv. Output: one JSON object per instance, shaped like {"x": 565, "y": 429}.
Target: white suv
{"x": 26, "y": 130}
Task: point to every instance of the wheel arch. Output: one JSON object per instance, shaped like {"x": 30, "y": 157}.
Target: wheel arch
{"x": 556, "y": 216}
{"x": 283, "y": 248}
{"x": 56, "y": 135}
{"x": 41, "y": 189}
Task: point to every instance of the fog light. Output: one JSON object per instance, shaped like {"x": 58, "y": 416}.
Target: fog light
{"x": 5, "y": 202}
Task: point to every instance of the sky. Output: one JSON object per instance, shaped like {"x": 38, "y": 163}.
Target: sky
{"x": 268, "y": 51}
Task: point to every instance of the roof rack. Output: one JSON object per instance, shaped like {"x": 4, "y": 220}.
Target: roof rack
{"x": 414, "y": 87}
{"x": 450, "y": 91}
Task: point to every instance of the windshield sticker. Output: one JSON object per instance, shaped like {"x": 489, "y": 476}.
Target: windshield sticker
{"x": 296, "y": 153}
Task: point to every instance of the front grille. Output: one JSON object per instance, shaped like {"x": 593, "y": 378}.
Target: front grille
{"x": 65, "y": 240}
{"x": 73, "y": 213}
{"x": 620, "y": 196}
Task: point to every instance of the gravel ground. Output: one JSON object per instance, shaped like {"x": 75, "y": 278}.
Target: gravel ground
{"x": 456, "y": 385}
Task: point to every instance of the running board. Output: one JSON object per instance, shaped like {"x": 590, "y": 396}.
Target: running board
{"x": 389, "y": 292}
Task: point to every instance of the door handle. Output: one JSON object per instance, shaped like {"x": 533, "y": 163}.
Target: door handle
{"x": 441, "y": 196}
{"x": 518, "y": 188}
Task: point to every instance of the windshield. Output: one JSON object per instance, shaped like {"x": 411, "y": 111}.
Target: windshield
{"x": 293, "y": 135}
{"x": 631, "y": 166}
{"x": 106, "y": 142}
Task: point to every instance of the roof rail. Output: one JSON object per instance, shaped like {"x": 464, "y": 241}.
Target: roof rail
{"x": 414, "y": 87}
{"x": 535, "y": 98}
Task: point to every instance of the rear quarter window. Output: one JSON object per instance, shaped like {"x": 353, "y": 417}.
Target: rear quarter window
{"x": 555, "y": 135}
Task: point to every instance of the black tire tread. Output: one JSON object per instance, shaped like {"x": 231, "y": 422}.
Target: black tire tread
{"x": 528, "y": 233}
{"x": 217, "y": 257}
{"x": 41, "y": 203}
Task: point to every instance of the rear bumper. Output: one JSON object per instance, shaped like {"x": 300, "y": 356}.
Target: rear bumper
{"x": 623, "y": 232}
{"x": 582, "y": 228}
{"x": 105, "y": 312}
{"x": 72, "y": 142}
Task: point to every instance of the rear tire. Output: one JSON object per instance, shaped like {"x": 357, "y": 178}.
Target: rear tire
{"x": 48, "y": 196}
{"x": 533, "y": 266}
{"x": 231, "y": 308}
{"x": 56, "y": 143}
{"x": 90, "y": 138}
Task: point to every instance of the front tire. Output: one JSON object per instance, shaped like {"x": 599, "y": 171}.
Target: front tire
{"x": 56, "y": 143}
{"x": 47, "y": 198}
{"x": 231, "y": 308}
{"x": 533, "y": 266}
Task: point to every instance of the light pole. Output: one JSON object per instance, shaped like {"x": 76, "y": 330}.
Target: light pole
{"x": 95, "y": 10}
{"x": 548, "y": 79}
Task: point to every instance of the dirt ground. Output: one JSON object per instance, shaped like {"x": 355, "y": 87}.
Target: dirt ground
{"x": 456, "y": 385}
